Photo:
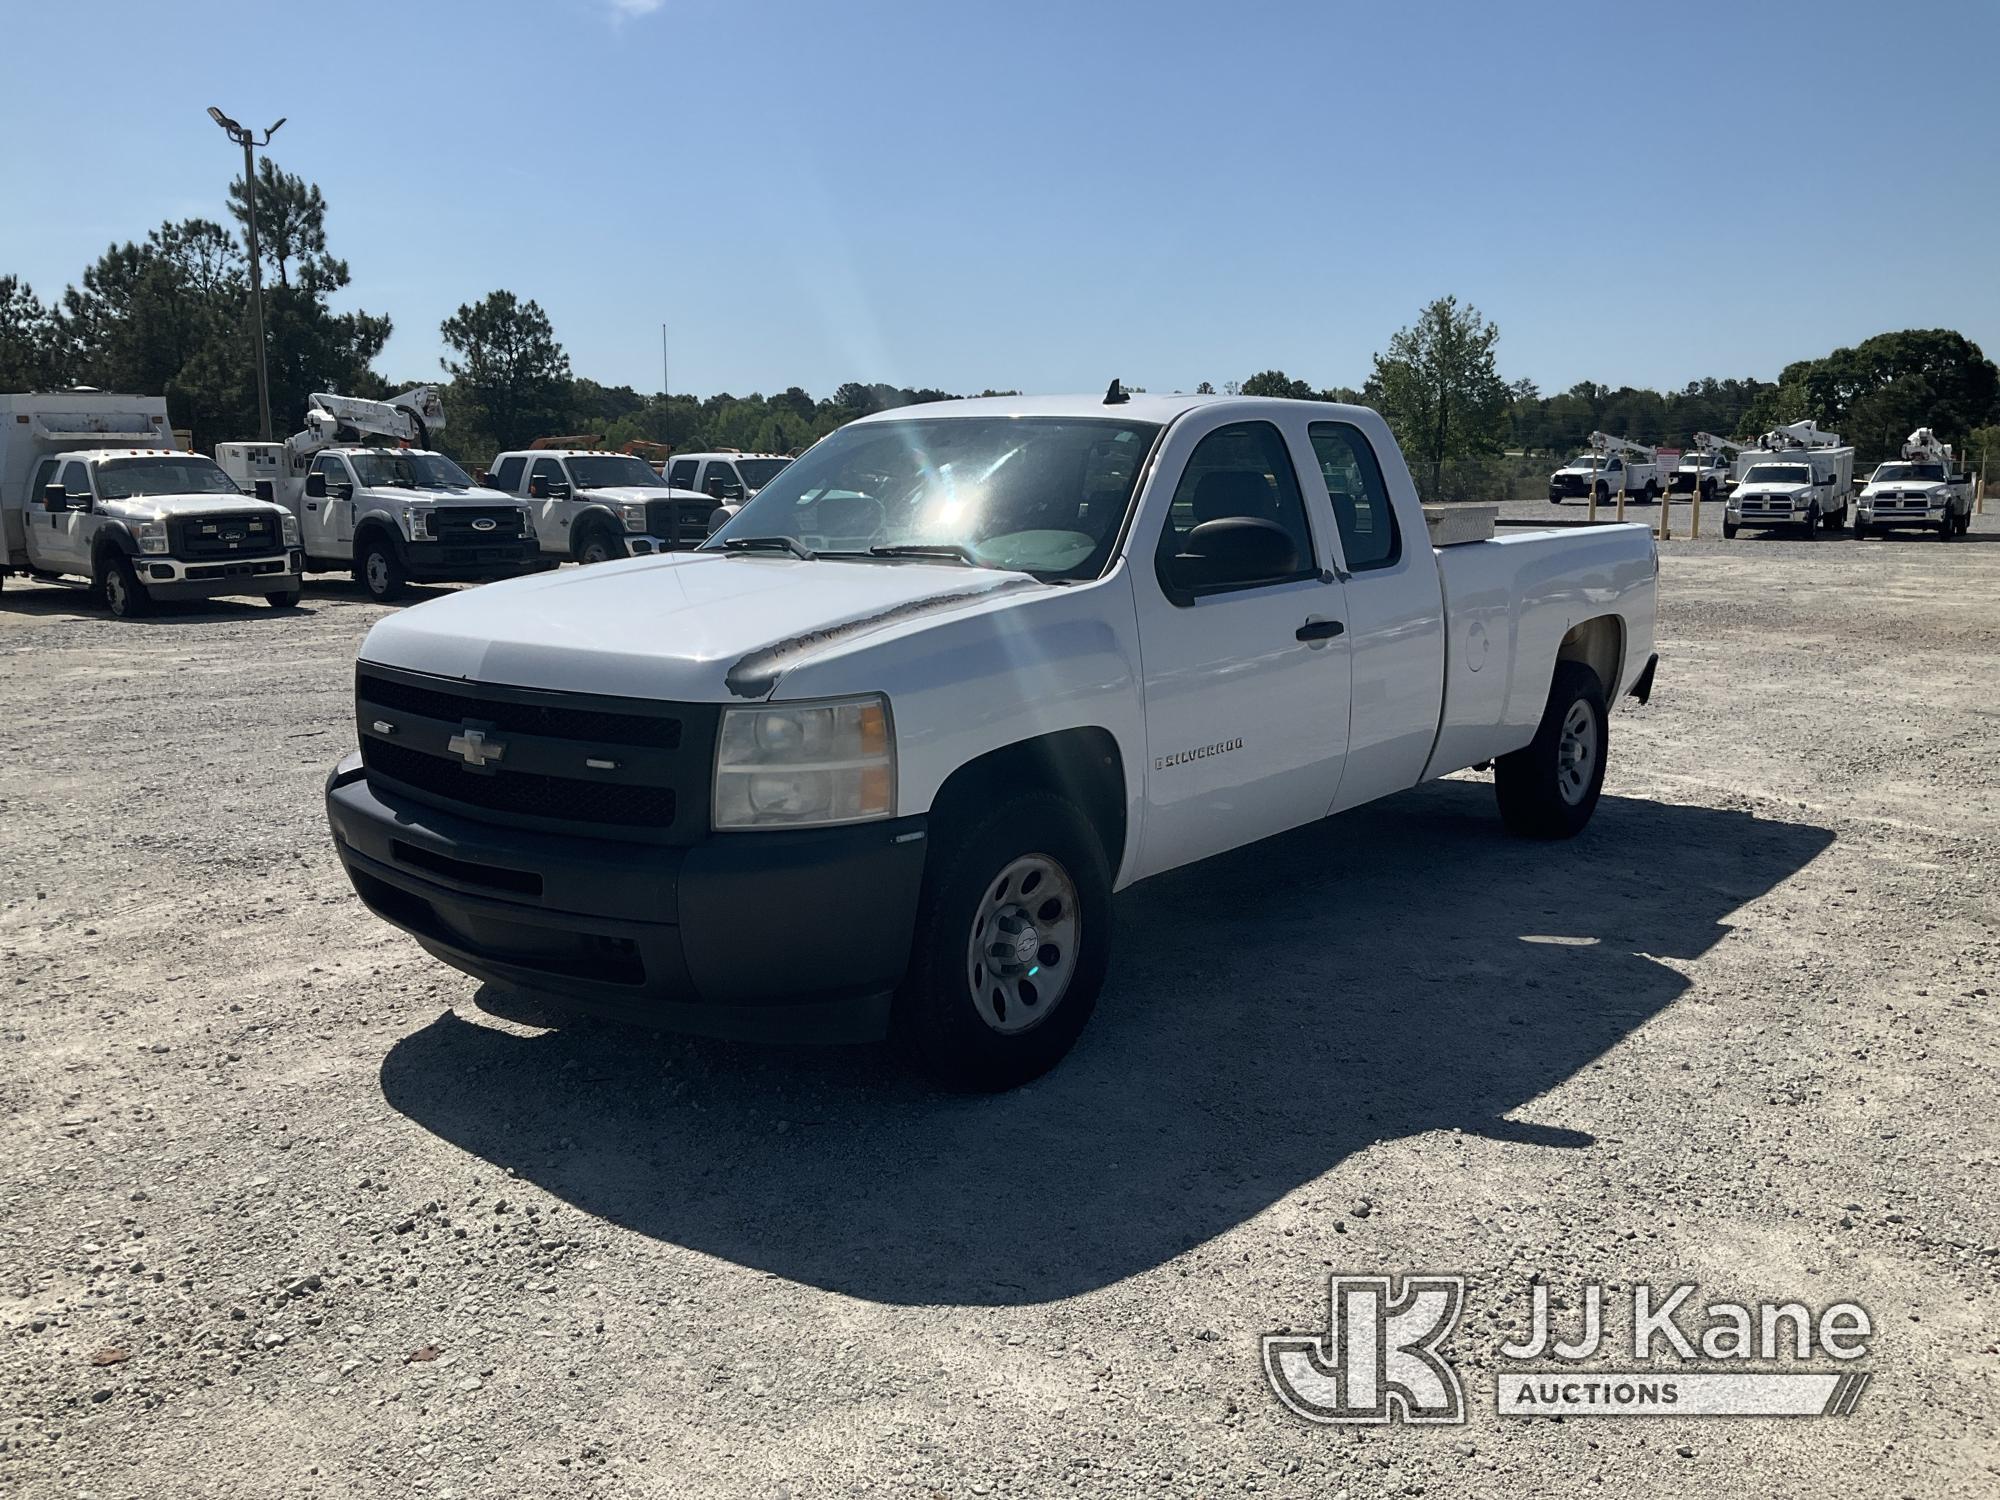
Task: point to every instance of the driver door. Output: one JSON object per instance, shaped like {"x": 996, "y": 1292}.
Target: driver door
{"x": 1247, "y": 665}
{"x": 67, "y": 545}
{"x": 551, "y": 499}
{"x": 330, "y": 521}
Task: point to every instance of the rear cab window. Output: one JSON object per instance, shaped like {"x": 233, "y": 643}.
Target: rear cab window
{"x": 1369, "y": 536}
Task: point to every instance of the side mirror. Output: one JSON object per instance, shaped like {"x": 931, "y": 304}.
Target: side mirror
{"x": 54, "y": 497}
{"x": 265, "y": 490}
{"x": 340, "y": 489}
{"x": 732, "y": 492}
{"x": 558, "y": 490}
{"x": 538, "y": 487}
{"x": 316, "y": 485}
{"x": 486, "y": 479}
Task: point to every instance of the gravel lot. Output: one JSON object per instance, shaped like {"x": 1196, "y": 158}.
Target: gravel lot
{"x": 289, "y": 1209}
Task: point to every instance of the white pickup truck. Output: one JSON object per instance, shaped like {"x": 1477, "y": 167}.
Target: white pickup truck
{"x": 874, "y": 758}
{"x": 1919, "y": 489}
{"x": 591, "y": 506}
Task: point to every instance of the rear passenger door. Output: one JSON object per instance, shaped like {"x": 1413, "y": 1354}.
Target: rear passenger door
{"x": 1245, "y": 653}
{"x": 1395, "y": 617}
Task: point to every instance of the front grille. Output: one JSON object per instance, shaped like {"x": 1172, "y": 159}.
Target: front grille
{"x": 624, "y": 768}
{"x": 684, "y": 522}
{"x": 458, "y": 523}
{"x": 562, "y": 798}
{"x": 225, "y": 535}
{"x": 557, "y": 721}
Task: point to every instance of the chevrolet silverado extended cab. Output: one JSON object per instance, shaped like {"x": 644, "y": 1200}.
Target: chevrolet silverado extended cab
{"x": 874, "y": 758}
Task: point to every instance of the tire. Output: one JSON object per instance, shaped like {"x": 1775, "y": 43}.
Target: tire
{"x": 123, "y": 595}
{"x": 288, "y": 599}
{"x": 380, "y": 571}
{"x": 1549, "y": 788}
{"x": 1838, "y": 520}
{"x": 1813, "y": 524}
{"x": 1964, "y": 523}
{"x": 977, "y": 1026}
{"x": 1860, "y": 530}
{"x": 1651, "y": 494}
{"x": 599, "y": 545}
{"x": 1947, "y": 527}
{"x": 1729, "y": 530}
{"x": 1603, "y": 495}
{"x": 1555, "y": 499}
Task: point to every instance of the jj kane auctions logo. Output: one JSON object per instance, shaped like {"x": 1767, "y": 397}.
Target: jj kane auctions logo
{"x": 1380, "y": 1361}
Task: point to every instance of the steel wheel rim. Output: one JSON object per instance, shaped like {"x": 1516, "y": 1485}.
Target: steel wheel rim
{"x": 1576, "y": 756}
{"x": 378, "y": 573}
{"x": 114, "y": 592}
{"x": 596, "y": 552}
{"x": 1022, "y": 950}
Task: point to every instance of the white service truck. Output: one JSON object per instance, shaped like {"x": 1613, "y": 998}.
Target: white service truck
{"x": 92, "y": 490}
{"x": 1612, "y": 466}
{"x": 392, "y": 513}
{"x": 1797, "y": 475}
{"x": 1707, "y": 469}
{"x": 775, "y": 790}
{"x": 591, "y": 506}
{"x": 729, "y": 478}
{"x": 1922, "y": 488}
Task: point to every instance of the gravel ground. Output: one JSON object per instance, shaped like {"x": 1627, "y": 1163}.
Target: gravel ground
{"x": 289, "y": 1209}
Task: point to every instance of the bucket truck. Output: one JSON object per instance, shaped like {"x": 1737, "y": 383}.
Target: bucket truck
{"x": 392, "y": 514}
{"x": 1707, "y": 468}
{"x": 1613, "y": 464}
{"x": 1796, "y": 475}
{"x": 94, "y": 490}
{"x": 1919, "y": 489}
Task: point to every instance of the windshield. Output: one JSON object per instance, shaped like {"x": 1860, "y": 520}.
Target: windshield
{"x": 1586, "y": 460}
{"x": 758, "y": 472}
{"x": 409, "y": 471}
{"x": 123, "y": 478}
{"x": 1910, "y": 471}
{"x": 601, "y": 473}
{"x": 1778, "y": 474}
{"x": 1041, "y": 495}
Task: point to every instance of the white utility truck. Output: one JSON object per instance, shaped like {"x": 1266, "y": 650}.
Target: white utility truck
{"x": 1920, "y": 489}
{"x": 771, "y": 789}
{"x": 390, "y": 514}
{"x": 593, "y": 506}
{"x": 729, "y": 478}
{"x": 1707, "y": 469}
{"x": 1797, "y": 475}
{"x": 1613, "y": 465}
{"x": 93, "y": 490}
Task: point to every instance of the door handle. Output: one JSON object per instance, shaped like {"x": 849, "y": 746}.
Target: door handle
{"x": 1321, "y": 630}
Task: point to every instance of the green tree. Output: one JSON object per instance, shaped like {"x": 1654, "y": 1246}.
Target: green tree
{"x": 291, "y": 227}
{"x": 511, "y": 379}
{"x": 1278, "y": 383}
{"x": 1439, "y": 389}
{"x": 1877, "y": 392}
{"x": 28, "y": 353}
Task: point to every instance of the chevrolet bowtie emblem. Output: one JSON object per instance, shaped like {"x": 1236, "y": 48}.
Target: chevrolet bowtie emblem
{"x": 474, "y": 748}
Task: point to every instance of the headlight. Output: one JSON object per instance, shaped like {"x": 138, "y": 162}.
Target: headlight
{"x": 417, "y": 520}
{"x": 289, "y": 526}
{"x": 792, "y": 765}
{"x": 150, "y": 535}
{"x": 635, "y": 517}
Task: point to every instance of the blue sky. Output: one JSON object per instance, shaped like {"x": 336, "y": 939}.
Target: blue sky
{"x": 1042, "y": 196}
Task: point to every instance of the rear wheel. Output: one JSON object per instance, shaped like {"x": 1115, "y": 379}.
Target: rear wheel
{"x": 1838, "y": 520}
{"x": 1549, "y": 788}
{"x": 122, "y": 592}
{"x": 380, "y": 570}
{"x": 1651, "y": 495}
{"x": 1603, "y": 494}
{"x": 1013, "y": 938}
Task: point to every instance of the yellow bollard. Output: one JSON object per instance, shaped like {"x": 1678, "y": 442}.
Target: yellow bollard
{"x": 1694, "y": 496}
{"x": 1593, "y": 486}
{"x": 1621, "y": 497}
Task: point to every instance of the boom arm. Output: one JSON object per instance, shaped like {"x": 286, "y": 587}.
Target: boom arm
{"x": 1603, "y": 442}
{"x": 1802, "y": 434}
{"x": 410, "y": 417}
{"x": 1708, "y": 442}
{"x": 1923, "y": 445}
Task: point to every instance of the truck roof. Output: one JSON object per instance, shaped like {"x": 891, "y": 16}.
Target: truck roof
{"x": 1137, "y": 406}
{"x": 564, "y": 453}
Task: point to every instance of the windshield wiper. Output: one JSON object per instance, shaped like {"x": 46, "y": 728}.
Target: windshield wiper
{"x": 789, "y": 544}
{"x": 928, "y": 549}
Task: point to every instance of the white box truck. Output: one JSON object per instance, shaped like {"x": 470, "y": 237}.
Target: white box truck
{"x": 94, "y": 491}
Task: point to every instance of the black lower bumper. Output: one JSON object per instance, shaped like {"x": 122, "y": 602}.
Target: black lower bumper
{"x": 781, "y": 936}
{"x": 448, "y": 562}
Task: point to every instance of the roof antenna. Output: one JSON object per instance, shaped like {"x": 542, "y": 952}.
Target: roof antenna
{"x": 1115, "y": 395}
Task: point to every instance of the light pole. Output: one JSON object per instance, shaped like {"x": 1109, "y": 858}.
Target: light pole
{"x": 249, "y": 142}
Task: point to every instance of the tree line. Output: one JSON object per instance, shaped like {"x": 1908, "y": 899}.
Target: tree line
{"x": 169, "y": 316}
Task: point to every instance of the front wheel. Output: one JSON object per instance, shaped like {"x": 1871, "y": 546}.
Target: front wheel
{"x": 600, "y": 546}
{"x": 122, "y": 592}
{"x": 1013, "y": 937}
{"x": 1947, "y": 528}
{"x": 1729, "y": 530}
{"x": 1651, "y": 495}
{"x": 381, "y": 570}
{"x": 1549, "y": 788}
{"x": 288, "y": 599}
{"x": 1860, "y": 530}
{"x": 1964, "y": 522}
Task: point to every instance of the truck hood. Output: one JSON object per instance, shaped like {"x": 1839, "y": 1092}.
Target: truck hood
{"x": 1773, "y": 491}
{"x": 1905, "y": 487}
{"x": 476, "y": 495}
{"x": 159, "y": 507}
{"x": 636, "y": 494}
{"x": 690, "y": 627}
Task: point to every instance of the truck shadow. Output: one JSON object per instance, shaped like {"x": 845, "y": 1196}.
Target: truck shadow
{"x": 59, "y": 601}
{"x": 1406, "y": 968}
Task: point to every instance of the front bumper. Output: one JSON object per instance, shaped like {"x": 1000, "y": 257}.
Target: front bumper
{"x": 441, "y": 562}
{"x": 177, "y": 578}
{"x": 780, "y": 936}
{"x": 641, "y": 545}
{"x": 1868, "y": 515}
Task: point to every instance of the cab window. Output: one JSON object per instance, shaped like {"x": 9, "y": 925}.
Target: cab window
{"x": 76, "y": 482}
{"x": 1361, "y": 509}
{"x": 549, "y": 470}
{"x": 508, "y": 475}
{"x": 681, "y": 475}
{"x": 1237, "y": 519}
{"x": 45, "y": 475}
